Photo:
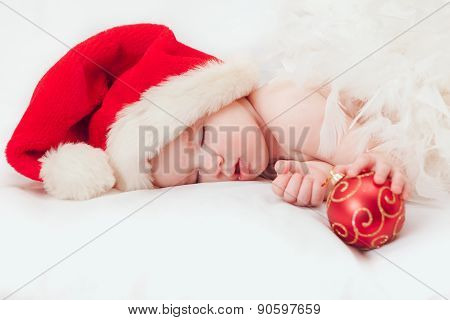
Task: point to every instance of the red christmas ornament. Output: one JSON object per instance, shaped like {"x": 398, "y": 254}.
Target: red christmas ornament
{"x": 362, "y": 213}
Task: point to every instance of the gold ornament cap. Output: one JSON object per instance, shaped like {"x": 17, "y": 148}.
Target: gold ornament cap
{"x": 334, "y": 177}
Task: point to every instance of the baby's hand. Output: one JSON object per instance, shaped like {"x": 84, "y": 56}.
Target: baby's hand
{"x": 299, "y": 184}
{"x": 383, "y": 169}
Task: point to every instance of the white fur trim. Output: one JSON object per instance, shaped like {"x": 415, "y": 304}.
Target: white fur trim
{"x": 76, "y": 172}
{"x": 184, "y": 99}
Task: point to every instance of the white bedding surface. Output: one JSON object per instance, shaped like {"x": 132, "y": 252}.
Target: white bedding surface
{"x": 208, "y": 241}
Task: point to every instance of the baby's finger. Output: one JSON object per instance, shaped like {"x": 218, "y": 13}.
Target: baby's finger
{"x": 292, "y": 188}
{"x": 279, "y": 183}
{"x": 406, "y": 192}
{"x": 397, "y": 182}
{"x": 318, "y": 193}
{"x": 304, "y": 195}
{"x": 382, "y": 170}
{"x": 364, "y": 161}
{"x": 284, "y": 166}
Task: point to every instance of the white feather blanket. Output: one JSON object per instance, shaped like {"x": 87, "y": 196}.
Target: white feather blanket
{"x": 394, "y": 56}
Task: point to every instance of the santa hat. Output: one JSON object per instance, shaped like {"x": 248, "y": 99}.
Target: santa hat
{"x": 80, "y": 134}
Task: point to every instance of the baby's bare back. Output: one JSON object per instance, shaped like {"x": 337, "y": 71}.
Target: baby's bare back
{"x": 295, "y": 117}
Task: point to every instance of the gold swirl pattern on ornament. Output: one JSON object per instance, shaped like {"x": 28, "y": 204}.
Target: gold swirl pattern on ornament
{"x": 366, "y": 223}
{"x": 329, "y": 200}
{"x": 371, "y": 173}
{"x": 400, "y": 218}
{"x": 379, "y": 241}
{"x": 390, "y": 201}
{"x": 345, "y": 185}
{"x": 343, "y": 233}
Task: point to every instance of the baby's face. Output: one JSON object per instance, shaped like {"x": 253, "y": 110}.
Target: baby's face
{"x": 226, "y": 146}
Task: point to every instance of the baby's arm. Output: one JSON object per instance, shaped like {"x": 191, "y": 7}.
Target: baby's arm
{"x": 300, "y": 183}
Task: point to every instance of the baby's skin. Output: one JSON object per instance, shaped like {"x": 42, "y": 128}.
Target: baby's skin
{"x": 267, "y": 134}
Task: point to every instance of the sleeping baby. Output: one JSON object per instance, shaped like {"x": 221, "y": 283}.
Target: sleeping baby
{"x": 133, "y": 108}
{"x": 267, "y": 134}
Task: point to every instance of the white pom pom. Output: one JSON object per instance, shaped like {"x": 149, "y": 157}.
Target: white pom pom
{"x": 76, "y": 172}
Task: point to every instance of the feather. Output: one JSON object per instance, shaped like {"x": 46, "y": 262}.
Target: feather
{"x": 333, "y": 127}
{"x": 405, "y": 82}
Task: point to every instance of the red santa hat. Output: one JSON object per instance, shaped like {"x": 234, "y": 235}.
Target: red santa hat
{"x": 81, "y": 133}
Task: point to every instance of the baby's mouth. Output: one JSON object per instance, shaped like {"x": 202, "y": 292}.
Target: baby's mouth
{"x": 242, "y": 170}
{"x": 237, "y": 168}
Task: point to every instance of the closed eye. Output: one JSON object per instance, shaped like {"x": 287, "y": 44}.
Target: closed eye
{"x": 201, "y": 141}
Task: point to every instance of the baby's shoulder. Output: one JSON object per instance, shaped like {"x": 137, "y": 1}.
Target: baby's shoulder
{"x": 294, "y": 114}
{"x": 286, "y": 101}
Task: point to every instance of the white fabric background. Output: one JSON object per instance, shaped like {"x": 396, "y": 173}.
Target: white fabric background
{"x": 207, "y": 241}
